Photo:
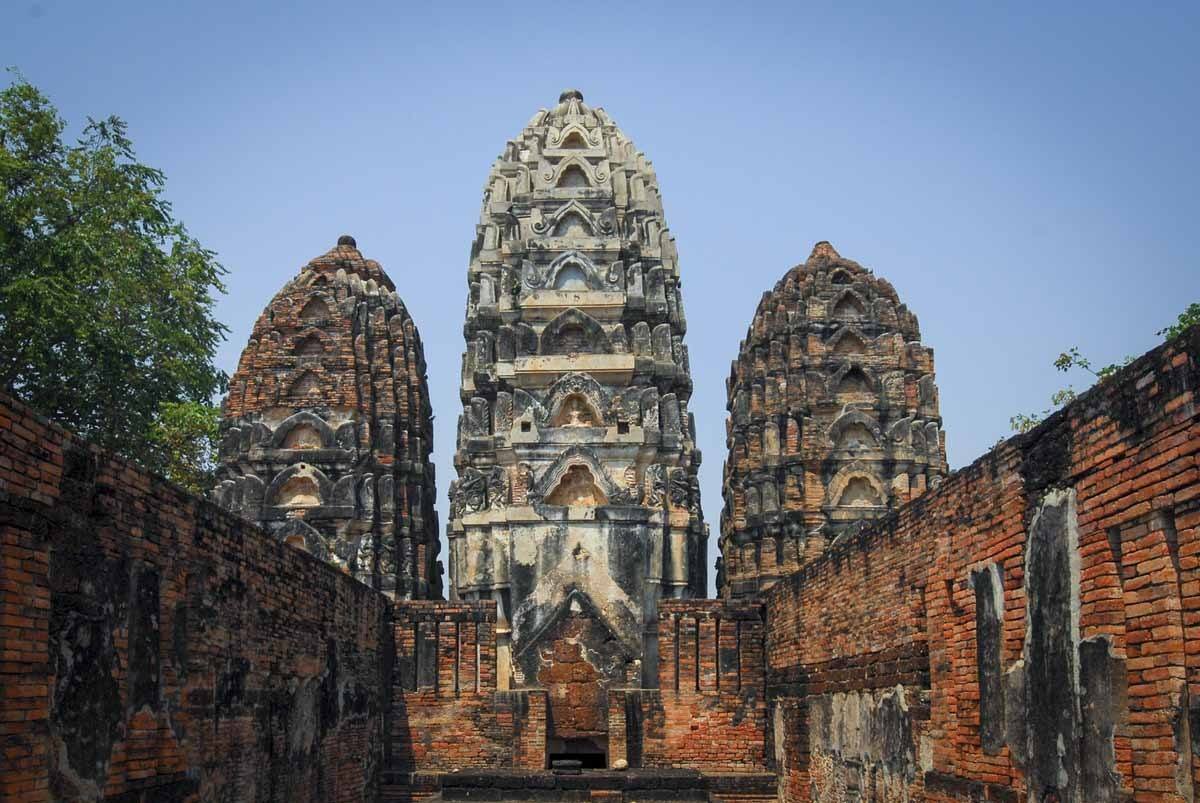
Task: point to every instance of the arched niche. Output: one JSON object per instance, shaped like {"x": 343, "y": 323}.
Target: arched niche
{"x": 577, "y": 488}
{"x": 574, "y": 141}
{"x": 857, "y": 487}
{"x": 315, "y": 310}
{"x": 573, "y": 177}
{"x": 848, "y": 343}
{"x": 572, "y": 224}
{"x": 576, "y": 411}
{"x": 301, "y": 490}
{"x": 551, "y": 480}
{"x": 864, "y": 427}
{"x": 310, "y": 346}
{"x": 859, "y": 491}
{"x": 305, "y": 430}
{"x": 840, "y": 277}
{"x": 571, "y": 277}
{"x": 855, "y": 436}
{"x": 305, "y": 436}
{"x": 853, "y": 381}
{"x": 299, "y": 486}
{"x": 849, "y": 307}
{"x": 573, "y": 271}
{"x": 574, "y": 332}
{"x": 307, "y": 384}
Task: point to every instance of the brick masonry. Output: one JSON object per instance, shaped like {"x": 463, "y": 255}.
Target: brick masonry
{"x": 1026, "y": 631}
{"x": 447, "y": 713}
{"x": 156, "y": 648}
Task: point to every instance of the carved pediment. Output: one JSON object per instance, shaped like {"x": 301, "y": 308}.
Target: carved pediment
{"x": 551, "y": 482}
{"x": 574, "y": 332}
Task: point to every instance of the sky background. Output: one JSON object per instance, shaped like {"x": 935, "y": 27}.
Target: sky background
{"x": 1025, "y": 175}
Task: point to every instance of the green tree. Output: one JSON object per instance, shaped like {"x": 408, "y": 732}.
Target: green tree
{"x": 1073, "y": 359}
{"x": 186, "y": 436}
{"x": 106, "y": 301}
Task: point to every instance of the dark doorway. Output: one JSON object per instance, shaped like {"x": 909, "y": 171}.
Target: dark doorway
{"x": 591, "y": 753}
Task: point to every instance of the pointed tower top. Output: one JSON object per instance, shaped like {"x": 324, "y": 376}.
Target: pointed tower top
{"x": 824, "y": 249}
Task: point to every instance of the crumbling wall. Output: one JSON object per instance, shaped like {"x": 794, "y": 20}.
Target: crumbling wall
{"x": 1027, "y": 631}
{"x": 157, "y": 648}
{"x": 709, "y": 712}
{"x": 447, "y": 712}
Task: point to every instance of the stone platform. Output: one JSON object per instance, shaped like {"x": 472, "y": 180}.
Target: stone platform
{"x": 587, "y": 785}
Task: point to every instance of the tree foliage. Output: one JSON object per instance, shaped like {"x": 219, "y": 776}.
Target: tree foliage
{"x": 1073, "y": 359}
{"x": 185, "y": 434}
{"x": 106, "y": 301}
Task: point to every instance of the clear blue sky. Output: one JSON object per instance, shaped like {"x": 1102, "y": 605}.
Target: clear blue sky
{"x": 1026, "y": 176}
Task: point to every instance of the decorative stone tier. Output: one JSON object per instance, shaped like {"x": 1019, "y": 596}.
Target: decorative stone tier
{"x": 577, "y": 505}
{"x": 327, "y": 431}
{"x": 833, "y": 420}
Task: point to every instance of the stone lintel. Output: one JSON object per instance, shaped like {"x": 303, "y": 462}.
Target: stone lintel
{"x": 609, "y": 369}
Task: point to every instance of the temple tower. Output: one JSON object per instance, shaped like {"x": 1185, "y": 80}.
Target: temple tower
{"x": 326, "y": 432}
{"x": 576, "y": 506}
{"x": 833, "y": 419}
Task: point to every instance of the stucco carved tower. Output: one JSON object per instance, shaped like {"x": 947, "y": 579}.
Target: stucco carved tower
{"x": 833, "y": 419}
{"x": 577, "y": 504}
{"x": 326, "y": 432}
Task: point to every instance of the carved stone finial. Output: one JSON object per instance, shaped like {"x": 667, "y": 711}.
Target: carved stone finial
{"x": 346, "y": 239}
{"x": 570, "y": 94}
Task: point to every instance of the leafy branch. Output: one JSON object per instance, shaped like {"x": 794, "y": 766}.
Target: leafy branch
{"x": 1073, "y": 359}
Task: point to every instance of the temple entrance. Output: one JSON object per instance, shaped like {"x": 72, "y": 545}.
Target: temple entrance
{"x": 576, "y": 658}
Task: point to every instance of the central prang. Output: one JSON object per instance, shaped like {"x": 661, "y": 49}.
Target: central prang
{"x": 577, "y": 506}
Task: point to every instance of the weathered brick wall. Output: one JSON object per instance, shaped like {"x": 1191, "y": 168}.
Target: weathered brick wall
{"x": 447, "y": 713}
{"x": 155, "y": 647}
{"x": 709, "y": 712}
{"x": 1030, "y": 627}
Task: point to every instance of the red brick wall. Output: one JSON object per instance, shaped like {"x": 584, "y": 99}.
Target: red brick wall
{"x": 1090, "y": 527}
{"x": 153, "y": 647}
{"x": 447, "y": 713}
{"x": 709, "y": 711}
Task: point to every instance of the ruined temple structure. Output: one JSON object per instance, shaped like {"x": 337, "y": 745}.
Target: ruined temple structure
{"x": 1028, "y": 629}
{"x": 327, "y": 430}
{"x": 577, "y": 506}
{"x": 833, "y": 419}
